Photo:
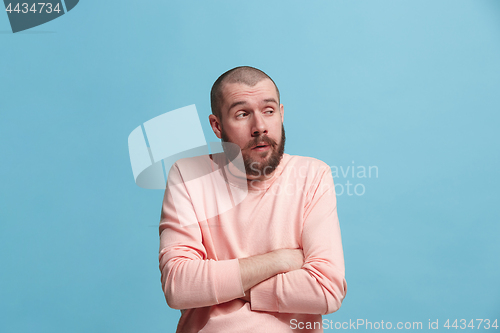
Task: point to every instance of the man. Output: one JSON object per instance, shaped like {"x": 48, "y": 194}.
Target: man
{"x": 271, "y": 262}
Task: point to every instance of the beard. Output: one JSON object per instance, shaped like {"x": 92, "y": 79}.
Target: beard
{"x": 266, "y": 167}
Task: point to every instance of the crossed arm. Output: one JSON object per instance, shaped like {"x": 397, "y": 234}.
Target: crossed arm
{"x": 308, "y": 280}
{"x": 255, "y": 269}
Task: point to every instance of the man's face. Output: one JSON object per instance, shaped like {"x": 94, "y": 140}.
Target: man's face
{"x": 252, "y": 118}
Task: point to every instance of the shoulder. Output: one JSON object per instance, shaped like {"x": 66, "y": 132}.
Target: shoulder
{"x": 190, "y": 168}
{"x": 311, "y": 164}
{"x": 311, "y": 174}
{"x": 188, "y": 162}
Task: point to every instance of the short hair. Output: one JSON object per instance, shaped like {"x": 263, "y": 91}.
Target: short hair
{"x": 242, "y": 74}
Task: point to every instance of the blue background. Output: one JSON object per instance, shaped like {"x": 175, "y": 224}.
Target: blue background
{"x": 411, "y": 87}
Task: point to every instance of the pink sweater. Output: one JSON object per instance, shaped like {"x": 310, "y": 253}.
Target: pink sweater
{"x": 201, "y": 239}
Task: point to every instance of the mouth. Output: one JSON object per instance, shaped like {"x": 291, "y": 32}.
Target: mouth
{"x": 261, "y": 147}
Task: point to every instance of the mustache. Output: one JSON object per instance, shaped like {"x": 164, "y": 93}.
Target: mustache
{"x": 259, "y": 139}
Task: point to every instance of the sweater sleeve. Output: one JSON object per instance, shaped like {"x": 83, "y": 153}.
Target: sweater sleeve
{"x": 320, "y": 286}
{"x": 189, "y": 279}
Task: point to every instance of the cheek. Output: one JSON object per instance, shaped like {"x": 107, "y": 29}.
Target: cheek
{"x": 236, "y": 128}
{"x": 236, "y": 134}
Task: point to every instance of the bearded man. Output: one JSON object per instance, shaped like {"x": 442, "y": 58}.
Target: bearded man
{"x": 269, "y": 261}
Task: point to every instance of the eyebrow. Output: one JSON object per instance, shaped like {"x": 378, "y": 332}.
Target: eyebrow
{"x": 267, "y": 100}
{"x": 270, "y": 100}
{"x": 236, "y": 104}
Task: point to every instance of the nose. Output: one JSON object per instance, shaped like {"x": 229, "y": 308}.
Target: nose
{"x": 259, "y": 126}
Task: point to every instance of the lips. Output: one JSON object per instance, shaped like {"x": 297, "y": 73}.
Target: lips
{"x": 261, "y": 145}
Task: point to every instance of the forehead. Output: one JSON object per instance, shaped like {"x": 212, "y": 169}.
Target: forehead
{"x": 240, "y": 92}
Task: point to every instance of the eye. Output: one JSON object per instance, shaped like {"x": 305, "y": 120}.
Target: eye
{"x": 269, "y": 111}
{"x": 241, "y": 115}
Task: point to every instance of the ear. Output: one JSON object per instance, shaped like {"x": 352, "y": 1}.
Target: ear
{"x": 216, "y": 125}
{"x": 282, "y": 111}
